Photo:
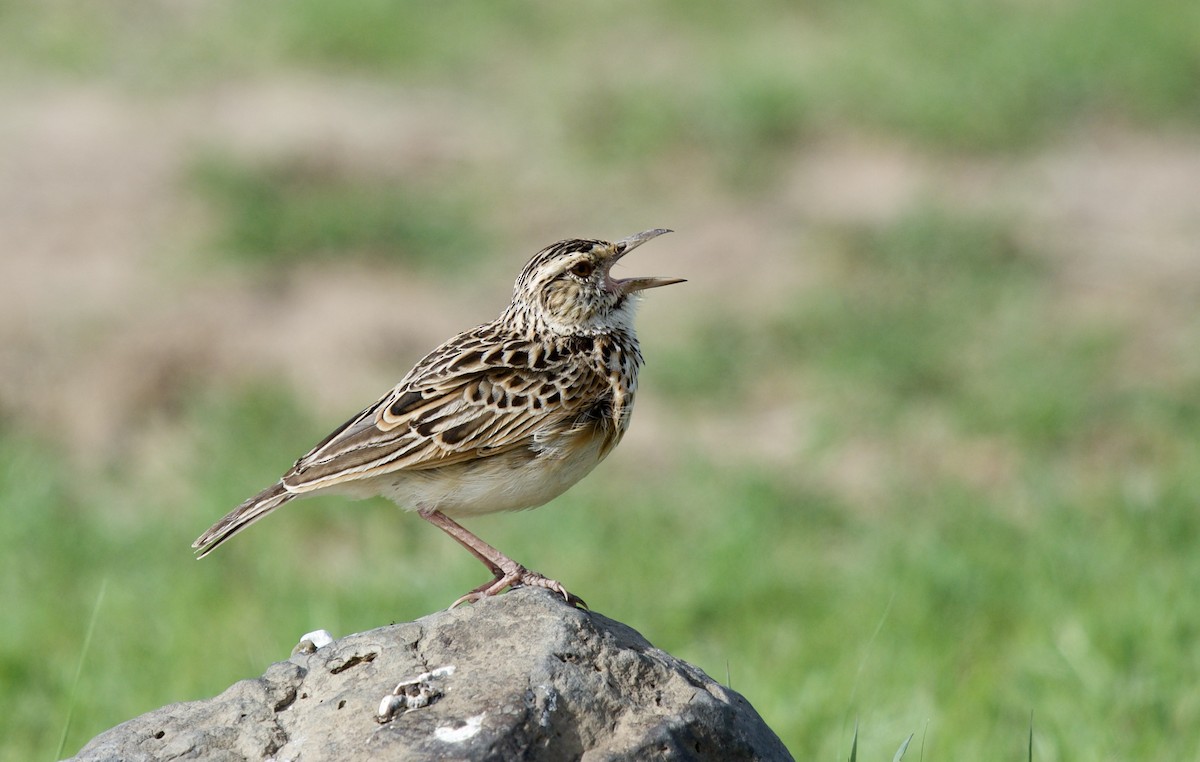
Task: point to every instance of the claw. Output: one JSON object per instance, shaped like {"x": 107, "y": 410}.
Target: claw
{"x": 516, "y": 578}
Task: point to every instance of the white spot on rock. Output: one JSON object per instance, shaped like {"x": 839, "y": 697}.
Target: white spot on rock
{"x": 412, "y": 694}
{"x": 319, "y": 638}
{"x": 549, "y": 702}
{"x": 445, "y": 671}
{"x": 460, "y": 734}
{"x": 311, "y": 641}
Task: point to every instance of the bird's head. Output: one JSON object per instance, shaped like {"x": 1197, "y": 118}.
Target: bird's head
{"x": 568, "y": 286}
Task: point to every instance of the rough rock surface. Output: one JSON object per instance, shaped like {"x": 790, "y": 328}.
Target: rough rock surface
{"x": 520, "y": 676}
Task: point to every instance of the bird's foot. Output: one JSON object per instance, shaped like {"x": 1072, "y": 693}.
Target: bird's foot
{"x": 517, "y": 576}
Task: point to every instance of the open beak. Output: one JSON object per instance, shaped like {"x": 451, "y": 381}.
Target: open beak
{"x": 623, "y": 247}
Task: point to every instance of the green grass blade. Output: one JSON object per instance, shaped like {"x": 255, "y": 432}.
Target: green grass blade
{"x": 1030, "y": 751}
{"x": 903, "y": 748}
{"x": 87, "y": 644}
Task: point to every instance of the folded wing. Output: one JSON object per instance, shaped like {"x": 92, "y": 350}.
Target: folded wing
{"x": 460, "y": 403}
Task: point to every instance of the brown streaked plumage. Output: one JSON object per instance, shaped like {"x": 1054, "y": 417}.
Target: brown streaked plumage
{"x": 503, "y": 417}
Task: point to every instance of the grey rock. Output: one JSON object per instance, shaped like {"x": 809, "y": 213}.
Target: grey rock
{"x": 519, "y": 676}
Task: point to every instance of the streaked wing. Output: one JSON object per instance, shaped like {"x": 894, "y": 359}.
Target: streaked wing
{"x": 467, "y": 399}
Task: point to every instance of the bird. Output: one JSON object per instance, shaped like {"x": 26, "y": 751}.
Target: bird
{"x": 503, "y": 417}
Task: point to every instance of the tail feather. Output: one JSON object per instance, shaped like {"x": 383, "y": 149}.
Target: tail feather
{"x": 241, "y": 517}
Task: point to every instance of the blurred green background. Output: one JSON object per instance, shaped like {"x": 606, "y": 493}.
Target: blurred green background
{"x": 916, "y": 445}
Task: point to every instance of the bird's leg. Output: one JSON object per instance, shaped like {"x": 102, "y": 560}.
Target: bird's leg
{"x": 508, "y": 573}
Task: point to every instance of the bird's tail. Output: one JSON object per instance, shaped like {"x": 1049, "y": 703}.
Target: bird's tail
{"x": 241, "y": 517}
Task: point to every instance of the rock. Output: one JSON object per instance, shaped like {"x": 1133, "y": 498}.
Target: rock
{"x": 519, "y": 676}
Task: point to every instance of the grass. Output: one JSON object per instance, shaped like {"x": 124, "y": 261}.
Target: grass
{"x": 737, "y": 86}
{"x": 73, "y": 697}
{"x": 1004, "y": 75}
{"x": 989, "y": 510}
{"x": 295, "y": 211}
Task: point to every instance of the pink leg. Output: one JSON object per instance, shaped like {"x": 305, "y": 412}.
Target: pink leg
{"x": 508, "y": 573}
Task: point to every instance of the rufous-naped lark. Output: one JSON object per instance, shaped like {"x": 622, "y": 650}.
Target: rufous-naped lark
{"x": 506, "y": 416}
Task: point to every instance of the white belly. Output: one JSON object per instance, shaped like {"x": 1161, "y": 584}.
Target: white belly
{"x": 506, "y": 482}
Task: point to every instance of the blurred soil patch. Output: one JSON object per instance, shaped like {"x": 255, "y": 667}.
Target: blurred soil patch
{"x": 112, "y": 304}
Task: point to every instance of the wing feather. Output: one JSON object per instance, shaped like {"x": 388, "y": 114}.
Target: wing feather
{"x": 465, "y": 400}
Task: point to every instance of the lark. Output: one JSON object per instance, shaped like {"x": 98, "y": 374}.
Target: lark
{"x": 503, "y": 417}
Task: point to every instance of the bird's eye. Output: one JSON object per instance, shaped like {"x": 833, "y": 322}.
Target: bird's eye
{"x": 583, "y": 269}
